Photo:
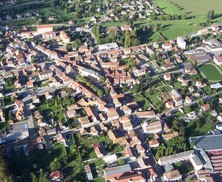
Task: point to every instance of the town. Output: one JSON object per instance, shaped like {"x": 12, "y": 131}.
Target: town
{"x": 93, "y": 103}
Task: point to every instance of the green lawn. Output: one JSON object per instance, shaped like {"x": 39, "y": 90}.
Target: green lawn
{"x": 168, "y": 7}
{"x": 211, "y": 72}
{"x": 195, "y": 128}
{"x": 199, "y": 7}
{"x": 174, "y": 28}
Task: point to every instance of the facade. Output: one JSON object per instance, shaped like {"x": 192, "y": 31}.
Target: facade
{"x": 41, "y": 29}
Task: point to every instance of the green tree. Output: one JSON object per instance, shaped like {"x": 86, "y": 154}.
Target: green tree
{"x": 100, "y": 92}
{"x": 55, "y": 164}
{"x": 33, "y": 177}
{"x": 127, "y": 42}
{"x": 4, "y": 173}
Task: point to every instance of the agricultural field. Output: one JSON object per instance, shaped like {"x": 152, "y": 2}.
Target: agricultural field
{"x": 211, "y": 72}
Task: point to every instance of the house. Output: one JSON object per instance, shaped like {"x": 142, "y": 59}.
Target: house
{"x": 172, "y": 175}
{"x": 168, "y": 136}
{"x": 65, "y": 38}
{"x": 48, "y": 95}
{"x": 167, "y": 77}
{"x": 126, "y": 27}
{"x": 84, "y": 122}
{"x": 206, "y": 107}
{"x": 129, "y": 152}
{"x": 153, "y": 143}
{"x": 56, "y": 176}
{"x": 90, "y": 113}
{"x": 152, "y": 127}
{"x": 112, "y": 114}
{"x": 169, "y": 104}
{"x": 46, "y": 74}
{"x": 167, "y": 46}
{"x": 181, "y": 42}
{"x": 116, "y": 135}
{"x": 99, "y": 149}
{"x": 126, "y": 110}
{"x": 176, "y": 96}
{"x": 112, "y": 29}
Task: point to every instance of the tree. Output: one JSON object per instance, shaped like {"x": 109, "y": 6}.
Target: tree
{"x": 210, "y": 16}
{"x": 33, "y": 177}
{"x": 4, "y": 173}
{"x": 135, "y": 42}
{"x": 10, "y": 116}
{"x": 55, "y": 164}
{"x": 127, "y": 42}
{"x": 100, "y": 92}
{"x": 102, "y": 79}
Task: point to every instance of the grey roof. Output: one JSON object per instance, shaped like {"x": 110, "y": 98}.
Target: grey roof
{"x": 18, "y": 131}
{"x": 208, "y": 142}
{"x": 117, "y": 169}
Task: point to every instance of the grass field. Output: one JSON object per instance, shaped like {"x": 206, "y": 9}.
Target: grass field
{"x": 199, "y": 7}
{"x": 211, "y": 72}
{"x": 168, "y": 7}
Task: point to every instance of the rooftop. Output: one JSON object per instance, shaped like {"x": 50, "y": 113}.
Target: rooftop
{"x": 117, "y": 169}
{"x": 208, "y": 143}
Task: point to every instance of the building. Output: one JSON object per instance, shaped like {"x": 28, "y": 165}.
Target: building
{"x": 99, "y": 149}
{"x": 18, "y": 131}
{"x": 218, "y": 60}
{"x": 116, "y": 136}
{"x": 56, "y": 176}
{"x": 152, "y": 128}
{"x": 116, "y": 172}
{"x": 88, "y": 172}
{"x": 200, "y": 58}
{"x": 210, "y": 143}
{"x": 172, "y": 175}
{"x": 167, "y": 46}
{"x": 46, "y": 74}
{"x": 109, "y": 46}
{"x": 213, "y": 46}
{"x": 181, "y": 42}
{"x": 41, "y": 29}
{"x": 175, "y": 158}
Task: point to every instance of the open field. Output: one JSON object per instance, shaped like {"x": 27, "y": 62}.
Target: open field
{"x": 211, "y": 72}
{"x": 199, "y": 7}
{"x": 168, "y": 7}
{"x": 196, "y": 9}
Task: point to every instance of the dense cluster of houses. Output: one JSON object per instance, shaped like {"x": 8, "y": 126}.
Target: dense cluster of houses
{"x": 134, "y": 10}
{"x": 114, "y": 113}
